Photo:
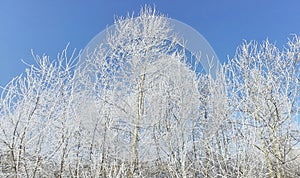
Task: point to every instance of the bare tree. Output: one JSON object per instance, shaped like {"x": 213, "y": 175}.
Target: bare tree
{"x": 138, "y": 106}
{"x": 142, "y": 76}
{"x": 33, "y": 105}
{"x": 265, "y": 84}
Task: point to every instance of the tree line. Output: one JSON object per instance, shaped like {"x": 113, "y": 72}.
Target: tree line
{"x": 138, "y": 107}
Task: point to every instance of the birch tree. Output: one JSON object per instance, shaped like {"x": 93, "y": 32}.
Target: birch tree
{"x": 138, "y": 106}
{"x": 265, "y": 85}
{"x": 35, "y": 119}
{"x": 143, "y": 76}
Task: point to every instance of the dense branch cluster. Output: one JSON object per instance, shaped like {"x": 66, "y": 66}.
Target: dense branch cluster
{"x": 139, "y": 107}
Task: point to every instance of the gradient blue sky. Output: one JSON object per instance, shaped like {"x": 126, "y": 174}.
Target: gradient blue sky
{"x": 47, "y": 26}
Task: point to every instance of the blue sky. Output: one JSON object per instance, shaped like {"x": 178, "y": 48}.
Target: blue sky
{"x": 48, "y": 26}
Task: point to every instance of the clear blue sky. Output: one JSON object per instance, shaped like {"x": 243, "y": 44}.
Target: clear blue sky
{"x": 47, "y": 26}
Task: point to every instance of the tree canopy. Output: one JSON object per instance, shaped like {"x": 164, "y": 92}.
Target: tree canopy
{"x": 139, "y": 107}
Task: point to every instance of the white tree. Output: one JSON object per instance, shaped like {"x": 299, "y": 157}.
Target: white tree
{"x": 143, "y": 78}
{"x": 138, "y": 106}
{"x": 35, "y": 118}
{"x": 265, "y": 90}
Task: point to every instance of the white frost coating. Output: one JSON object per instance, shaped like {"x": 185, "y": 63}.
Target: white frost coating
{"x": 193, "y": 42}
{"x": 196, "y": 43}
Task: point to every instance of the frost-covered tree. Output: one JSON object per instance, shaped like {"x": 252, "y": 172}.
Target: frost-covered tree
{"x": 265, "y": 95}
{"x": 36, "y": 119}
{"x": 142, "y": 77}
{"x": 138, "y": 106}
